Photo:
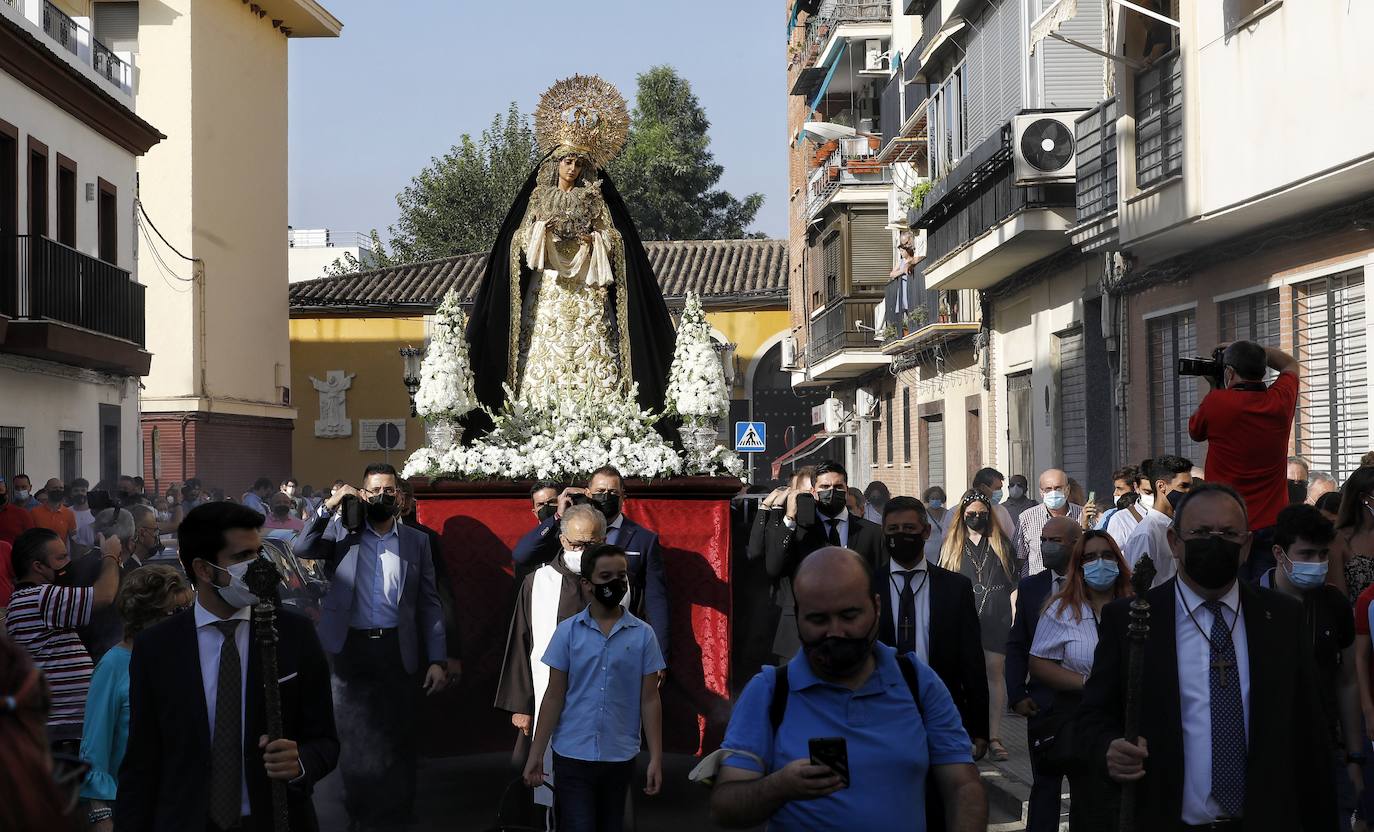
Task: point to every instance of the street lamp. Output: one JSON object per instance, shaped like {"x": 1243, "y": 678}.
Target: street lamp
{"x": 412, "y": 356}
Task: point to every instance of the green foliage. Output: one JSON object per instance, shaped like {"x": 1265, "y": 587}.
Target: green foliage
{"x": 667, "y": 172}
{"x": 918, "y": 195}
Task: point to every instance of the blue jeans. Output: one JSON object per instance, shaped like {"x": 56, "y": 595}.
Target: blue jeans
{"x": 588, "y": 796}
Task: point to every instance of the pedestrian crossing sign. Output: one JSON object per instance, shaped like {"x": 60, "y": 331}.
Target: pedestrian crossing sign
{"x": 749, "y": 437}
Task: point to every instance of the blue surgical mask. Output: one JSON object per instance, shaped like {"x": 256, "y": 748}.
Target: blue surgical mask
{"x": 936, "y": 504}
{"x": 1306, "y": 575}
{"x": 998, "y": 495}
{"x": 1056, "y": 500}
{"x": 1101, "y": 573}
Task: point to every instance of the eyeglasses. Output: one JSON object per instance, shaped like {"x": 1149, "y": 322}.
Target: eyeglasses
{"x": 582, "y": 544}
{"x": 385, "y": 490}
{"x": 69, "y": 773}
{"x": 1230, "y": 535}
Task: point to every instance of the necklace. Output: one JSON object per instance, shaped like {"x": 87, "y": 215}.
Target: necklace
{"x": 1218, "y": 664}
{"x": 980, "y": 585}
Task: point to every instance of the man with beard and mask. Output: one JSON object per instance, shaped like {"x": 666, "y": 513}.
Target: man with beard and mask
{"x": 1017, "y": 501}
{"x": 930, "y": 611}
{"x": 824, "y": 522}
{"x": 1232, "y": 732}
{"x": 44, "y": 614}
{"x": 1028, "y": 697}
{"x": 383, "y": 623}
{"x": 606, "y": 491}
{"x": 14, "y": 520}
{"x": 280, "y": 518}
{"x": 544, "y": 497}
{"x": 23, "y": 492}
{"x": 902, "y": 732}
{"x": 76, "y": 499}
{"x": 1054, "y": 502}
{"x": 1172, "y": 477}
{"x": 1121, "y": 522}
{"x": 594, "y": 709}
{"x": 198, "y": 756}
{"x": 988, "y": 482}
{"x": 549, "y": 595}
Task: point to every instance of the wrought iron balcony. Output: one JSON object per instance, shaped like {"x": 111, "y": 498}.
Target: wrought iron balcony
{"x": 917, "y": 316}
{"x": 837, "y": 329}
{"x": 832, "y": 13}
{"x": 845, "y": 162}
{"x": 61, "y": 28}
{"x": 1159, "y": 121}
{"x": 70, "y": 36}
{"x": 41, "y": 279}
{"x": 1095, "y": 138}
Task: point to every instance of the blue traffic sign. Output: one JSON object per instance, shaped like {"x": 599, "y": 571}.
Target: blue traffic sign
{"x": 749, "y": 437}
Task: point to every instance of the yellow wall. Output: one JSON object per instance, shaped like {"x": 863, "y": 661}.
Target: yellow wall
{"x": 213, "y": 77}
{"x": 368, "y": 347}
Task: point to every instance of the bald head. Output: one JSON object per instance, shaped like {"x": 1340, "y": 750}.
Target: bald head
{"x": 1062, "y": 529}
{"x": 829, "y": 576}
{"x": 1054, "y": 479}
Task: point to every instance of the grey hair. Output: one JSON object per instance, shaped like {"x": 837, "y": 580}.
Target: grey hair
{"x": 584, "y": 511}
{"x": 1320, "y": 476}
{"x": 140, "y": 512}
{"x": 114, "y": 522}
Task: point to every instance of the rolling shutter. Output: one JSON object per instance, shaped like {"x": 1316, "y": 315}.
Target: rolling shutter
{"x": 1332, "y": 421}
{"x": 935, "y": 450}
{"x": 870, "y": 246}
{"x": 1020, "y": 426}
{"x": 116, "y": 26}
{"x": 1073, "y": 406}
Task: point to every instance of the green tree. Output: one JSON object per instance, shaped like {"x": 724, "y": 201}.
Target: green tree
{"x": 668, "y": 174}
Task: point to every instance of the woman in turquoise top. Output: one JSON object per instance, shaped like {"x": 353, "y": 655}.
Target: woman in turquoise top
{"x": 147, "y": 595}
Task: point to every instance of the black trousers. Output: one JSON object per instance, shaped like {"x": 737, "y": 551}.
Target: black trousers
{"x": 376, "y": 703}
{"x": 588, "y": 796}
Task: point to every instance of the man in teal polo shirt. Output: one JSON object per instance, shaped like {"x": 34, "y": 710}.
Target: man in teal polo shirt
{"x": 844, "y": 684}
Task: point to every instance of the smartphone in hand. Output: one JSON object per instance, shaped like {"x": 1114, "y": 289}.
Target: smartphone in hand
{"x": 833, "y": 753}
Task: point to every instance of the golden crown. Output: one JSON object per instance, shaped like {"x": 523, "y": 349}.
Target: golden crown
{"x": 584, "y": 113}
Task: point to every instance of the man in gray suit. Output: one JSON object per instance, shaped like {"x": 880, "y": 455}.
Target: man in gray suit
{"x": 383, "y": 626}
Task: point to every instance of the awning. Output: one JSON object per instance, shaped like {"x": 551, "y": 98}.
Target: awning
{"x": 807, "y": 447}
{"x": 942, "y": 37}
{"x": 1050, "y": 20}
{"x": 829, "y": 75}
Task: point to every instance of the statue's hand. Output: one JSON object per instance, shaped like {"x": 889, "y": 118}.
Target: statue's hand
{"x": 587, "y": 240}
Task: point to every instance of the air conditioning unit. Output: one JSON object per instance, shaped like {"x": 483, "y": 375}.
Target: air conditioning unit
{"x": 866, "y": 405}
{"x": 874, "y": 55}
{"x": 834, "y": 415}
{"x": 789, "y": 353}
{"x": 1043, "y": 144}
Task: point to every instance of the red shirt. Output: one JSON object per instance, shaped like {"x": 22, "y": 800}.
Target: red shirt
{"x": 14, "y": 521}
{"x": 1247, "y": 434}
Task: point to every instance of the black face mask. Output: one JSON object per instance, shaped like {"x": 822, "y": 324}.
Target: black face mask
{"x": 1175, "y": 498}
{"x": 381, "y": 507}
{"x": 1127, "y": 500}
{"x": 609, "y": 503}
{"x": 831, "y": 501}
{"x": 839, "y": 656}
{"x": 1054, "y": 555}
{"x": 546, "y": 511}
{"x": 905, "y": 547}
{"x": 1297, "y": 491}
{"x": 612, "y": 592}
{"x": 1211, "y": 561}
{"x": 976, "y": 522}
{"x": 55, "y": 497}
{"x": 62, "y": 577}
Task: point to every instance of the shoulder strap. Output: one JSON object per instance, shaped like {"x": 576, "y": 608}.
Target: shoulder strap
{"x": 779, "y": 704}
{"x": 909, "y": 673}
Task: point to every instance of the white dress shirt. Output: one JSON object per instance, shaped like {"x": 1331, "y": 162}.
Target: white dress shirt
{"x": 824, "y": 523}
{"x": 919, "y": 586}
{"x": 210, "y": 641}
{"x": 1123, "y": 523}
{"x": 1151, "y": 537}
{"x": 1195, "y": 699}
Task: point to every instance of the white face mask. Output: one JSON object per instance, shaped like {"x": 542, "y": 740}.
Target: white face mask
{"x": 1055, "y": 500}
{"x": 236, "y": 594}
{"x": 572, "y": 558}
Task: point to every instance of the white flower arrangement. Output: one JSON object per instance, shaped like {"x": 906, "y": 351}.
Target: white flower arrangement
{"x": 446, "y": 390}
{"x": 696, "y": 382}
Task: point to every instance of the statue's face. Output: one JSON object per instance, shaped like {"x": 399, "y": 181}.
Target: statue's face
{"x": 569, "y": 169}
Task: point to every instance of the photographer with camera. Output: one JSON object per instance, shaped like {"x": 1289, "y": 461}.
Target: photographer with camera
{"x": 1246, "y": 425}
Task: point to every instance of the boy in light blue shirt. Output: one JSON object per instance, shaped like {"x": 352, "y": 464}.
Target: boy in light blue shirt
{"x": 603, "y": 682}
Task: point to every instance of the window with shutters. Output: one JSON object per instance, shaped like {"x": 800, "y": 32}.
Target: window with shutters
{"x": 11, "y": 452}
{"x": 875, "y": 428}
{"x": 1073, "y": 406}
{"x": 1253, "y": 317}
{"x": 870, "y": 251}
{"x": 933, "y": 449}
{"x": 830, "y": 265}
{"x": 891, "y": 426}
{"x": 1331, "y": 426}
{"x": 116, "y": 25}
{"x": 1020, "y": 425}
{"x": 906, "y": 426}
{"x": 1173, "y": 398}
{"x": 69, "y": 455}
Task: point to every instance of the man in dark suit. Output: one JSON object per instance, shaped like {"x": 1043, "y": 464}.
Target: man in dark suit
{"x": 812, "y": 520}
{"x": 1232, "y": 733}
{"x": 648, "y": 589}
{"x": 1028, "y": 697}
{"x": 198, "y": 756}
{"x": 383, "y": 623}
{"x": 929, "y": 611}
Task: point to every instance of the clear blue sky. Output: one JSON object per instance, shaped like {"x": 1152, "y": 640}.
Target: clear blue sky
{"x": 369, "y": 109}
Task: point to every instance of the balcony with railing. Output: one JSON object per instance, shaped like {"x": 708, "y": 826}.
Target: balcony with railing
{"x": 1095, "y": 140}
{"x": 829, "y": 16}
{"x": 68, "y": 36}
{"x": 843, "y": 163}
{"x": 917, "y": 317}
{"x": 67, "y": 306}
{"x": 1159, "y": 121}
{"x": 841, "y": 342}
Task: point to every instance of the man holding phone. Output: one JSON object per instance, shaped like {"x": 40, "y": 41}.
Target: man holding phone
{"x": 846, "y": 734}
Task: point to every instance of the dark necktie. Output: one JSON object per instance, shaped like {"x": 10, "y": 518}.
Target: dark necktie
{"x": 833, "y": 538}
{"x": 1228, "y": 717}
{"x": 226, "y": 748}
{"x": 906, "y": 615}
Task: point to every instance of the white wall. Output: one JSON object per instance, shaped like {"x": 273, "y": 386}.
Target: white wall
{"x": 52, "y": 398}
{"x": 309, "y": 262}
{"x": 95, "y": 157}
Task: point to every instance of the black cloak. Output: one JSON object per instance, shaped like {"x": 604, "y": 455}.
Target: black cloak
{"x": 652, "y": 334}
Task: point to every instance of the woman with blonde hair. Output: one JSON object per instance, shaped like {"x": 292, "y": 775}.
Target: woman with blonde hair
{"x": 976, "y": 548}
{"x": 148, "y": 595}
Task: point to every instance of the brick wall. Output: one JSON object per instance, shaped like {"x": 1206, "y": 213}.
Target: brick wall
{"x": 224, "y": 451}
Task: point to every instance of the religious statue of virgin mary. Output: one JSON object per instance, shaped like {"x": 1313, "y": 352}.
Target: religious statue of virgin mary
{"x": 568, "y": 302}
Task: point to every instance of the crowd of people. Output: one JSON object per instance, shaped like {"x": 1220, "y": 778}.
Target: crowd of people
{"x": 902, "y": 635}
